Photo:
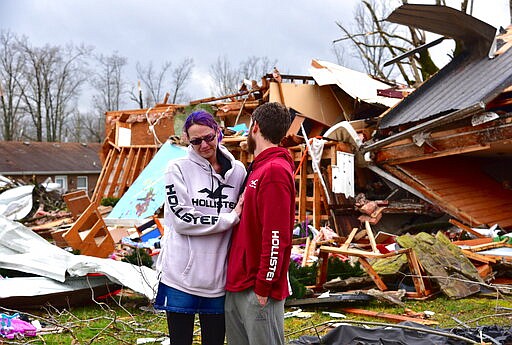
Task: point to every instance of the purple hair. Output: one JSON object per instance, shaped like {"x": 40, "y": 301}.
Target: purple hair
{"x": 203, "y": 118}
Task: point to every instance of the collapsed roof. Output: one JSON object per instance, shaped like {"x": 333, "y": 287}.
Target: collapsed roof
{"x": 470, "y": 79}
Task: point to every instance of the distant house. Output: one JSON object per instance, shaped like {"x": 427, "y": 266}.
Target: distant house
{"x": 75, "y": 166}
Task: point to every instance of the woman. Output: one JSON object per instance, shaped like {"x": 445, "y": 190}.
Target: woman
{"x": 201, "y": 208}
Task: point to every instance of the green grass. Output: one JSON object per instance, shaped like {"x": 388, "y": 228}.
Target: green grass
{"x": 125, "y": 319}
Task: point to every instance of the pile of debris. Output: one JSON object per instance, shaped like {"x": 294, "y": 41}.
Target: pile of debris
{"x": 413, "y": 186}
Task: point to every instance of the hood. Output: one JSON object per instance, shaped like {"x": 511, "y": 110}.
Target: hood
{"x": 272, "y": 153}
{"x": 204, "y": 163}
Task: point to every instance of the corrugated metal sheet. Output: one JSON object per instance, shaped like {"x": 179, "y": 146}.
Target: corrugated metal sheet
{"x": 467, "y": 80}
{"x": 43, "y": 157}
{"x": 460, "y": 84}
{"x": 448, "y": 22}
{"x": 463, "y": 188}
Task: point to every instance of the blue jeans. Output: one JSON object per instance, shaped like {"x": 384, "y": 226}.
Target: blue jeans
{"x": 173, "y": 300}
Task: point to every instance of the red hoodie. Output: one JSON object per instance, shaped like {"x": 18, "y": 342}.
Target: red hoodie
{"x": 261, "y": 243}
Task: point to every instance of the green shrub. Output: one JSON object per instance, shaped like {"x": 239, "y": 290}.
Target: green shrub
{"x": 111, "y": 201}
{"x": 300, "y": 277}
{"x": 139, "y": 257}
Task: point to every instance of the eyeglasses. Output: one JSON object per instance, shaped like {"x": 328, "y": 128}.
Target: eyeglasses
{"x": 207, "y": 138}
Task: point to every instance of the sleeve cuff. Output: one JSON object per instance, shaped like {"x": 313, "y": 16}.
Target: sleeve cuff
{"x": 262, "y": 289}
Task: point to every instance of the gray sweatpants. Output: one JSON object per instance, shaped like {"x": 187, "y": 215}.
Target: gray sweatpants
{"x": 248, "y": 323}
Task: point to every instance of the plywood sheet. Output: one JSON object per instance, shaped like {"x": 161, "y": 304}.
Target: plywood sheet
{"x": 312, "y": 101}
{"x": 461, "y": 186}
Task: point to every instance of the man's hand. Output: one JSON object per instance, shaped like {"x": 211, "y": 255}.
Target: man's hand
{"x": 261, "y": 300}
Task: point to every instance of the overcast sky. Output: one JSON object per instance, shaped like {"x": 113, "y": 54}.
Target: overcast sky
{"x": 291, "y": 31}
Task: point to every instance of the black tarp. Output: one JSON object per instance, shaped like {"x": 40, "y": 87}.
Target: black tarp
{"x": 355, "y": 335}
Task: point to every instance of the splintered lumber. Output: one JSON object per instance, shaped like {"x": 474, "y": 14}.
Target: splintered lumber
{"x": 350, "y": 283}
{"x": 305, "y": 256}
{"x": 371, "y": 272}
{"x": 89, "y": 234}
{"x": 387, "y": 316}
{"x": 478, "y": 257}
{"x": 417, "y": 276}
{"x": 487, "y": 246}
{"x": 445, "y": 263}
{"x": 370, "y": 237}
{"x": 485, "y": 271}
{"x": 466, "y": 228}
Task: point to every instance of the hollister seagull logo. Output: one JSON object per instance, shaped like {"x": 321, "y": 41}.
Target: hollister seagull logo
{"x": 252, "y": 184}
{"x": 216, "y": 194}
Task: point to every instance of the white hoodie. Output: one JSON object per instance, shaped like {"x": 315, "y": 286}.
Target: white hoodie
{"x": 198, "y": 218}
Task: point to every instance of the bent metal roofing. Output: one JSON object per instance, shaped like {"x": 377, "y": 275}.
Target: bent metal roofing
{"x": 24, "y": 158}
{"x": 468, "y": 79}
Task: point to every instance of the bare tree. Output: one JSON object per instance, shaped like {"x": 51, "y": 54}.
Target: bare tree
{"x": 54, "y": 76}
{"x": 109, "y": 83}
{"x": 65, "y": 89}
{"x": 180, "y": 76}
{"x": 255, "y": 67}
{"x": 85, "y": 127}
{"x": 377, "y": 41}
{"x": 152, "y": 81}
{"x": 156, "y": 82}
{"x": 226, "y": 78}
{"x": 339, "y": 54}
{"x": 12, "y": 83}
{"x": 109, "y": 88}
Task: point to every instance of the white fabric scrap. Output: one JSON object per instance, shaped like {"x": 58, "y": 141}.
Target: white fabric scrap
{"x": 317, "y": 149}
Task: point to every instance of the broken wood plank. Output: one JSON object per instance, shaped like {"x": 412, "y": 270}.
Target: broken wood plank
{"x": 446, "y": 142}
{"x": 466, "y": 228}
{"x": 478, "y": 257}
{"x": 485, "y": 271}
{"x": 416, "y": 273}
{"x": 472, "y": 242}
{"x": 371, "y": 237}
{"x": 371, "y": 272}
{"x": 305, "y": 255}
{"x": 387, "y": 316}
{"x": 345, "y": 245}
{"x": 486, "y": 246}
{"x": 350, "y": 283}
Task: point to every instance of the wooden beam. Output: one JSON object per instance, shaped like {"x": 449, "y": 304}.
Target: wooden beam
{"x": 466, "y": 228}
{"x": 387, "y": 316}
{"x": 372, "y": 273}
{"x": 487, "y": 246}
{"x": 478, "y": 257}
{"x": 448, "y": 142}
{"x": 371, "y": 237}
{"x": 99, "y": 191}
{"x": 416, "y": 272}
{"x": 350, "y": 237}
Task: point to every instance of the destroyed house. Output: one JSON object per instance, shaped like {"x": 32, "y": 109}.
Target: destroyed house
{"x": 75, "y": 166}
{"x": 450, "y": 139}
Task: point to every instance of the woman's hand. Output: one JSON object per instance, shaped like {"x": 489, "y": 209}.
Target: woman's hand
{"x": 239, "y": 205}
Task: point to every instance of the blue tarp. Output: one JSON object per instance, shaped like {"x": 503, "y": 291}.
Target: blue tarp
{"x": 147, "y": 193}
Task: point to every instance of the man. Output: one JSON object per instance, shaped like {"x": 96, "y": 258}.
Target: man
{"x": 257, "y": 274}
